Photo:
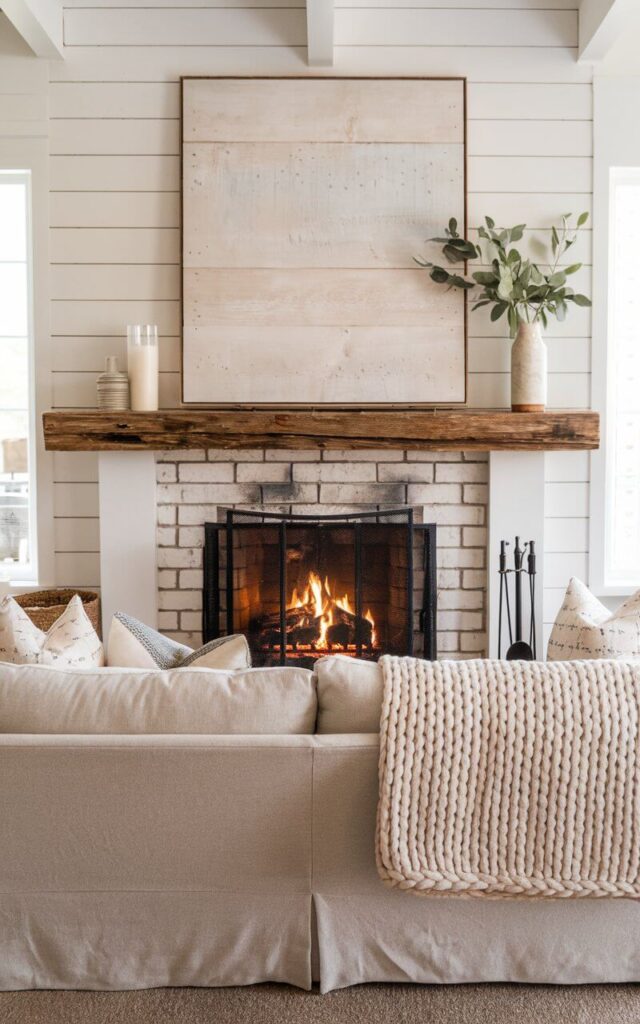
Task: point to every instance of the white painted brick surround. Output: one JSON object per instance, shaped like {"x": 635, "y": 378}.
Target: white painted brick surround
{"x": 448, "y": 488}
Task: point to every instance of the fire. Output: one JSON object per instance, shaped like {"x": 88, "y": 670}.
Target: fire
{"x": 334, "y": 619}
{"x": 369, "y": 617}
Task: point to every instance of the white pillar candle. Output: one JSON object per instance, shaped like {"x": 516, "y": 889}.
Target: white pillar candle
{"x": 142, "y": 359}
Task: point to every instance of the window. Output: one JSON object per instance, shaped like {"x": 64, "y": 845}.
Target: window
{"x": 17, "y": 454}
{"x": 622, "y": 490}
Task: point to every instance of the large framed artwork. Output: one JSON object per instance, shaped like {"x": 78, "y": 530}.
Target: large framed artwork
{"x": 304, "y": 202}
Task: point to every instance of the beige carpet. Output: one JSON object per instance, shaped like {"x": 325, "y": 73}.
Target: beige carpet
{"x": 369, "y": 1004}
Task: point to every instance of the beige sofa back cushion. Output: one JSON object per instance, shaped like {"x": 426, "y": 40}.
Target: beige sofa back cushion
{"x": 349, "y": 695}
{"x": 39, "y": 699}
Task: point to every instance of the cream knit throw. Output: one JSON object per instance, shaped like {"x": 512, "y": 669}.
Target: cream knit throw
{"x": 510, "y": 778}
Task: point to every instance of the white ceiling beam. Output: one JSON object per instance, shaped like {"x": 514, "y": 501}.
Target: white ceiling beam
{"x": 601, "y": 23}
{"x": 39, "y": 22}
{"x": 320, "y": 33}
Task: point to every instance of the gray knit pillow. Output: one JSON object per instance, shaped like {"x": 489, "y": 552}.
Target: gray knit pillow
{"x": 132, "y": 644}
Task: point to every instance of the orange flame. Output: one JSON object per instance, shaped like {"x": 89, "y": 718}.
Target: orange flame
{"x": 317, "y": 601}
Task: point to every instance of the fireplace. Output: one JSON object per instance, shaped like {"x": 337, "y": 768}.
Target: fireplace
{"x": 302, "y": 586}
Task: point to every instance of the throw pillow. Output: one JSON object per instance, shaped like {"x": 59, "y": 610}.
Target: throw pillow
{"x": 349, "y": 694}
{"x": 71, "y": 642}
{"x": 131, "y": 644}
{"x": 586, "y": 629}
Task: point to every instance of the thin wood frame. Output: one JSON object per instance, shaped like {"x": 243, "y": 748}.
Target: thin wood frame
{"x": 463, "y": 298}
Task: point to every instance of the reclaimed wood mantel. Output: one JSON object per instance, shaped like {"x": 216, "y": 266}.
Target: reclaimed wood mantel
{"x": 438, "y": 430}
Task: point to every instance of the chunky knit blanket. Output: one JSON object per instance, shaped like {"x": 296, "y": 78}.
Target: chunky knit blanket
{"x": 510, "y": 778}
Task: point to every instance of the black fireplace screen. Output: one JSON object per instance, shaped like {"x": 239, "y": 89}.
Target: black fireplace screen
{"x": 300, "y": 587}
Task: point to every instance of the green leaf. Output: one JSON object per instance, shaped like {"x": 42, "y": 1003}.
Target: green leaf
{"x": 421, "y": 263}
{"x": 543, "y": 317}
{"x": 459, "y": 282}
{"x": 498, "y": 310}
{"x": 517, "y": 232}
{"x": 555, "y": 241}
{"x": 485, "y": 277}
{"x": 573, "y": 268}
{"x": 582, "y": 219}
{"x": 557, "y": 279}
{"x": 490, "y": 223}
{"x": 453, "y": 227}
{"x": 439, "y": 275}
{"x": 482, "y": 302}
{"x": 561, "y": 311}
{"x": 580, "y": 300}
{"x": 467, "y": 250}
{"x": 452, "y": 254}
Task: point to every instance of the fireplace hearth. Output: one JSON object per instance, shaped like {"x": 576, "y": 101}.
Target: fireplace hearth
{"x": 303, "y": 586}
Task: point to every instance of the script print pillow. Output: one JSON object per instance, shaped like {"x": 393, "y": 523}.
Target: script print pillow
{"x": 71, "y": 642}
{"x": 586, "y": 629}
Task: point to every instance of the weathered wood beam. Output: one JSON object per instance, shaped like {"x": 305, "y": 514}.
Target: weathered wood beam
{"x": 601, "y": 23}
{"x": 483, "y": 430}
{"x": 320, "y": 19}
{"x": 39, "y": 22}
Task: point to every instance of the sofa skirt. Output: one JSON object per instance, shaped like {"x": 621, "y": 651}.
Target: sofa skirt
{"x": 136, "y": 940}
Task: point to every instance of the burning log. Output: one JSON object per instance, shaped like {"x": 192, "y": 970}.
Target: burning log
{"x": 341, "y": 635}
{"x": 305, "y": 636}
{"x": 345, "y": 631}
{"x": 293, "y": 617}
{"x": 315, "y": 619}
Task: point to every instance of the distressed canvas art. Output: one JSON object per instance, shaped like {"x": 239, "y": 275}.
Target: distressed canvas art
{"x": 304, "y": 202}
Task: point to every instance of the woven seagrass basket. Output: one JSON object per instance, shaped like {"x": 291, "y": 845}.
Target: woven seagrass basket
{"x": 45, "y": 606}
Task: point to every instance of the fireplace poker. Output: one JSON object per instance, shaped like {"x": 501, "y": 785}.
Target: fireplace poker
{"x": 518, "y": 648}
{"x": 504, "y": 591}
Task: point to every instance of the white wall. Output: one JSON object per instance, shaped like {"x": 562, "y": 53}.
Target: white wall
{"x": 115, "y": 248}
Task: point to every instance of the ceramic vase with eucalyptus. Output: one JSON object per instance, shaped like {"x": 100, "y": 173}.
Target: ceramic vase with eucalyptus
{"x": 528, "y": 370}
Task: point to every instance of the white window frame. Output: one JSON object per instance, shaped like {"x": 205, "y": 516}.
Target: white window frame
{"x": 615, "y": 147}
{"x": 20, "y": 572}
{"x": 19, "y": 156}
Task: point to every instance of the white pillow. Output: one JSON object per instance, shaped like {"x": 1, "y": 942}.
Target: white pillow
{"x": 586, "y": 629}
{"x": 39, "y": 699}
{"x": 349, "y": 694}
{"x": 131, "y": 644}
{"x": 70, "y": 642}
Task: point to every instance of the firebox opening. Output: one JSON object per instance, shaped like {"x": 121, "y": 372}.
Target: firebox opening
{"x": 301, "y": 587}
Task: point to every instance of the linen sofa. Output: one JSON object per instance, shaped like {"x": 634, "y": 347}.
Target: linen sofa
{"x": 133, "y": 861}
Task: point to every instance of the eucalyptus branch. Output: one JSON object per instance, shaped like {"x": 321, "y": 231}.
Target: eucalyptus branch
{"x": 514, "y": 284}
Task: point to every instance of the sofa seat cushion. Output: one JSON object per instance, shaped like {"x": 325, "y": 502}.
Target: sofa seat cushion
{"x": 39, "y": 699}
{"x": 349, "y": 694}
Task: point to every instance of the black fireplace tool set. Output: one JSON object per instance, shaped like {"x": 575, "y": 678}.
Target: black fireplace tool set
{"x": 518, "y": 649}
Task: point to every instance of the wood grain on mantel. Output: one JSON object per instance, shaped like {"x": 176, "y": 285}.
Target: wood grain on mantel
{"x": 480, "y": 429}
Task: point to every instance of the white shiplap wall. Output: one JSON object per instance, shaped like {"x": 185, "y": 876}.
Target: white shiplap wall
{"x": 114, "y": 105}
